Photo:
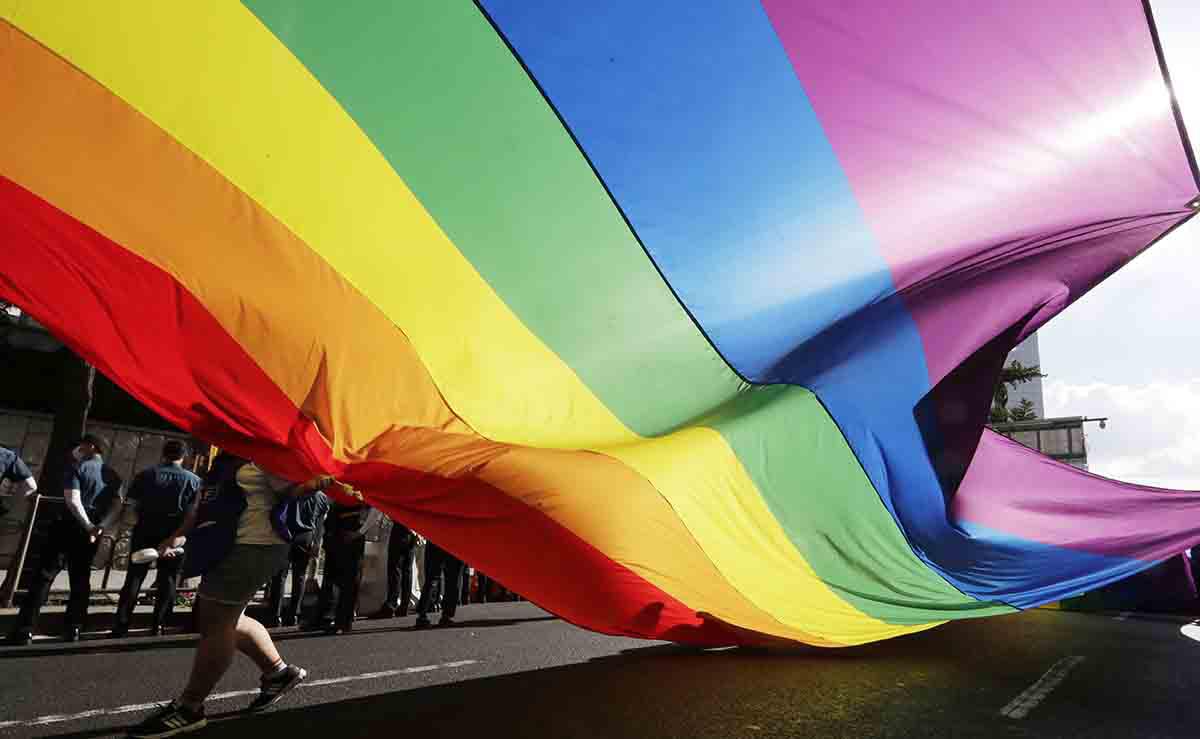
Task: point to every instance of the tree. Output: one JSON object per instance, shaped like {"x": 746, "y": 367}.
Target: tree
{"x": 77, "y": 382}
{"x": 1012, "y": 375}
{"x": 1023, "y": 412}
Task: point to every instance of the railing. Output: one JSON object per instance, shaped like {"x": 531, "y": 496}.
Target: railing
{"x": 9, "y": 588}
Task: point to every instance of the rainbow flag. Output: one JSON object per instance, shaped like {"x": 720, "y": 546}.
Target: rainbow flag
{"x": 681, "y": 320}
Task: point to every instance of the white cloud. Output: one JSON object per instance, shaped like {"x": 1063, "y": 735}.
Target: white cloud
{"x": 1153, "y": 433}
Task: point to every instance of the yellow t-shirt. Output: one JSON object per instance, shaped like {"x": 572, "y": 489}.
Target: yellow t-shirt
{"x": 262, "y": 493}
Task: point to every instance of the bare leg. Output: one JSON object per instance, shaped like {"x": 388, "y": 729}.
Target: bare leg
{"x": 254, "y": 641}
{"x": 217, "y": 624}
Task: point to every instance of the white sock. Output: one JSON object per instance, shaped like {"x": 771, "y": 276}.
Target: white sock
{"x": 277, "y": 671}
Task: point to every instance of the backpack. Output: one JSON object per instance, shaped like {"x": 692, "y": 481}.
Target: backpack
{"x": 222, "y": 501}
{"x": 298, "y": 519}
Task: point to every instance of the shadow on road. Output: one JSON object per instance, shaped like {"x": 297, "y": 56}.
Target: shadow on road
{"x": 363, "y": 627}
{"x": 653, "y": 691}
{"x": 657, "y": 690}
{"x": 946, "y": 682}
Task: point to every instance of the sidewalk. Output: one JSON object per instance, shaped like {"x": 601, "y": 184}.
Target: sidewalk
{"x": 101, "y": 613}
{"x": 99, "y": 624}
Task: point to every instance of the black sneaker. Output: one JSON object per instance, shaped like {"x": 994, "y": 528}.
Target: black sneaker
{"x": 274, "y": 688}
{"x": 171, "y": 719}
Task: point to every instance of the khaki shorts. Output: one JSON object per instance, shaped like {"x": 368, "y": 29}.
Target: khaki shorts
{"x": 247, "y": 567}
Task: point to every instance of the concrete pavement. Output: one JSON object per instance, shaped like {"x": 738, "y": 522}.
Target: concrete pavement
{"x": 511, "y": 670}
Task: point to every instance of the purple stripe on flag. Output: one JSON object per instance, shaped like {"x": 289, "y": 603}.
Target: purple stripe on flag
{"x": 967, "y": 130}
{"x": 1007, "y": 157}
{"x": 1012, "y": 488}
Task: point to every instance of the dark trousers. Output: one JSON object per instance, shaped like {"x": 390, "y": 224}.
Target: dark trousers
{"x": 167, "y": 569}
{"x": 435, "y": 593}
{"x": 67, "y": 545}
{"x": 438, "y": 562}
{"x": 400, "y": 566}
{"x": 343, "y": 567}
{"x": 298, "y": 560}
{"x": 484, "y": 583}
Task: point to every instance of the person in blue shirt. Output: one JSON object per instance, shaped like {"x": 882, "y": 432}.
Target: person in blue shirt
{"x": 166, "y": 498}
{"x": 89, "y": 493}
{"x": 14, "y": 469}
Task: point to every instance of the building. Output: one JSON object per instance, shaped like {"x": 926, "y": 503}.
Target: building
{"x": 1058, "y": 438}
{"x": 1063, "y": 438}
{"x": 1027, "y": 354}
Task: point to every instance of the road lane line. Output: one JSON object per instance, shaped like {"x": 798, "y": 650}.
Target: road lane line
{"x": 43, "y": 720}
{"x": 385, "y": 673}
{"x": 231, "y": 694}
{"x": 134, "y": 707}
{"x": 1020, "y": 706}
{"x": 1121, "y": 616}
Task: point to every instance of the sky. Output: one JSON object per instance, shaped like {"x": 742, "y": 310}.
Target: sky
{"x": 1130, "y": 349}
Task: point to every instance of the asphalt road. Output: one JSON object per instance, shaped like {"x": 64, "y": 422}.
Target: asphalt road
{"x": 511, "y": 670}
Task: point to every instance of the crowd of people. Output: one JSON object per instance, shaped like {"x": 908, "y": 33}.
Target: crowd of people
{"x": 239, "y": 529}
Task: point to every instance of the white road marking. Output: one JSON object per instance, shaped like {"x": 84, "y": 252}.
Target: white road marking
{"x": 231, "y": 694}
{"x": 1121, "y": 616}
{"x": 1020, "y": 706}
{"x": 55, "y": 719}
{"x": 134, "y": 707}
{"x": 385, "y": 673}
{"x": 1191, "y": 631}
